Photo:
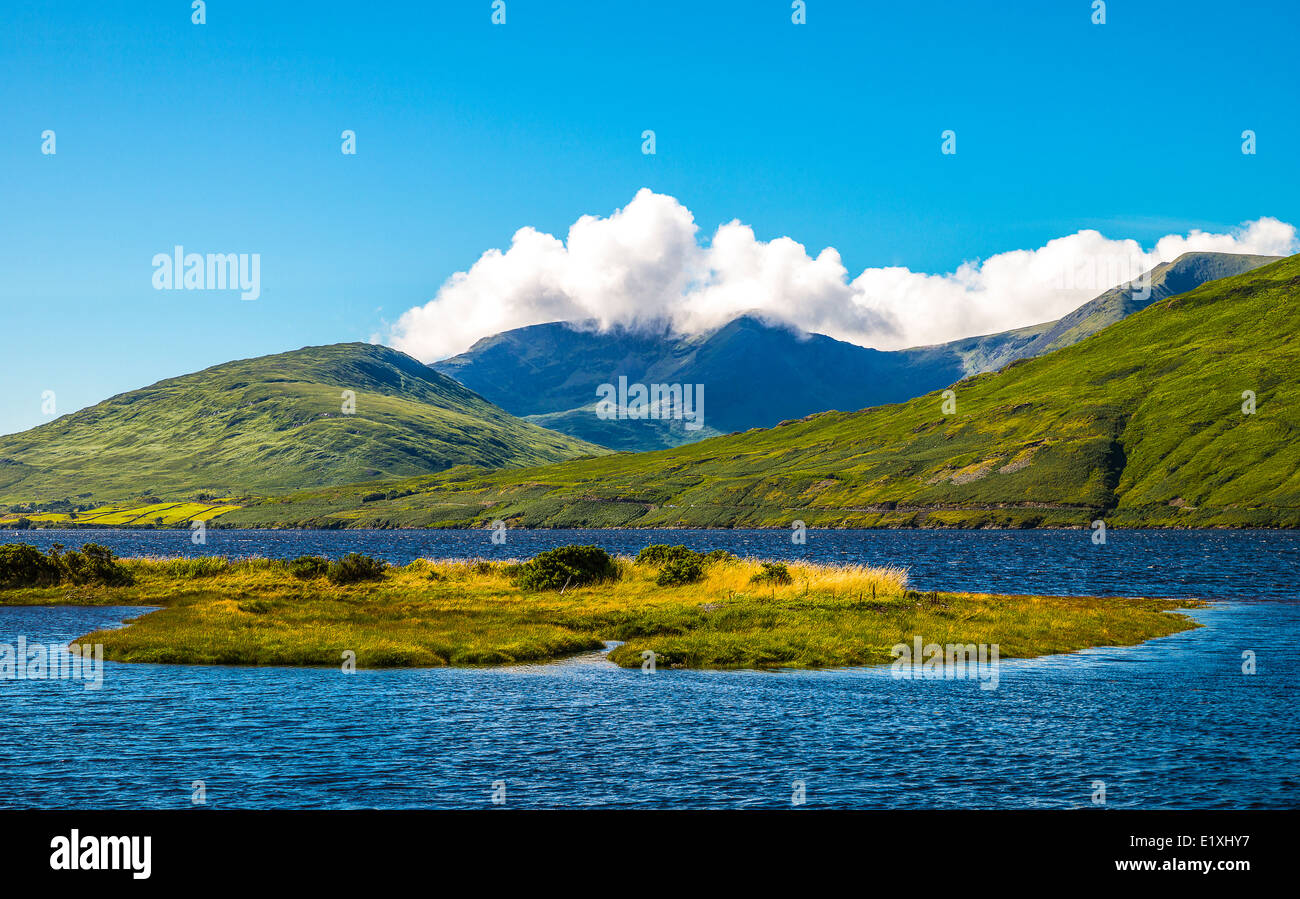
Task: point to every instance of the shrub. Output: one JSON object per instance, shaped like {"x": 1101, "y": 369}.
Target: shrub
{"x": 23, "y": 565}
{"x": 772, "y": 573}
{"x": 676, "y": 572}
{"x": 355, "y": 567}
{"x": 95, "y": 564}
{"x": 661, "y": 553}
{"x": 307, "y": 567}
{"x": 567, "y": 566}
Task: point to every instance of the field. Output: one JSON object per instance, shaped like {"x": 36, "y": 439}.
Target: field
{"x": 123, "y": 515}
{"x": 437, "y": 613}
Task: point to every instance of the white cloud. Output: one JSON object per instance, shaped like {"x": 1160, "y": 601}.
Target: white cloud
{"x": 645, "y": 264}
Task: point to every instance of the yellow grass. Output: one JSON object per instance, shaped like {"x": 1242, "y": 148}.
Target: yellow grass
{"x": 130, "y": 515}
{"x": 432, "y": 613}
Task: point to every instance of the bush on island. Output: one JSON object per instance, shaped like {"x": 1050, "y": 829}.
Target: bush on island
{"x": 308, "y": 567}
{"x": 354, "y": 568}
{"x": 22, "y": 565}
{"x": 94, "y": 564}
{"x": 567, "y": 566}
{"x": 676, "y": 572}
{"x": 662, "y": 554}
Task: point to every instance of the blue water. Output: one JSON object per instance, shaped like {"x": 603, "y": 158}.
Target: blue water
{"x": 1173, "y": 723}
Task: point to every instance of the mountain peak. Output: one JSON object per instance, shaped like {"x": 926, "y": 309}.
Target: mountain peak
{"x": 1141, "y": 424}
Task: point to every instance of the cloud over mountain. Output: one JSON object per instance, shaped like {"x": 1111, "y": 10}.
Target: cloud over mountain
{"x": 646, "y": 263}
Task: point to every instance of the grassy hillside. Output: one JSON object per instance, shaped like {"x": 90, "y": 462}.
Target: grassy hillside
{"x": 268, "y": 424}
{"x": 1167, "y": 279}
{"x": 991, "y": 352}
{"x": 1142, "y": 422}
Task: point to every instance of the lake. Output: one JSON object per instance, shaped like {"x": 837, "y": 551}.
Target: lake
{"x": 1173, "y": 723}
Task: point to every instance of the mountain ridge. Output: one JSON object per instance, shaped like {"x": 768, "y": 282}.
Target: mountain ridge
{"x": 1183, "y": 414}
{"x": 1186, "y": 272}
{"x": 758, "y": 370}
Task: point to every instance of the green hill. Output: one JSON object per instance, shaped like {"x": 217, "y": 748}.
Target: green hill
{"x": 1167, "y": 279}
{"x": 1141, "y": 422}
{"x": 272, "y": 423}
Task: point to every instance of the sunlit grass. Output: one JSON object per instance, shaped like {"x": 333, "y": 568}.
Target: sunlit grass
{"x": 435, "y": 613}
{"x": 129, "y": 514}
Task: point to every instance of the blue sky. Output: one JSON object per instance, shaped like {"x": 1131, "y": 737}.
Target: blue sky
{"x": 225, "y": 137}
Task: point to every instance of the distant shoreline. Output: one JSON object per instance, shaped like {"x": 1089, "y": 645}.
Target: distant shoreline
{"x": 88, "y": 526}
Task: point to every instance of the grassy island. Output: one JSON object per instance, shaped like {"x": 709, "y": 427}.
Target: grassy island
{"x": 692, "y": 610}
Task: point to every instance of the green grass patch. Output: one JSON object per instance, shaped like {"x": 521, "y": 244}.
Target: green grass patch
{"x": 427, "y": 613}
